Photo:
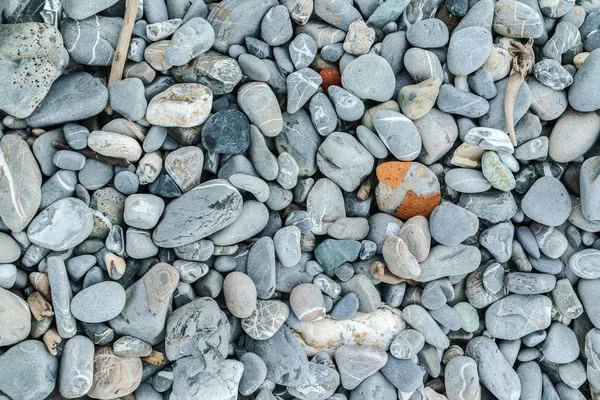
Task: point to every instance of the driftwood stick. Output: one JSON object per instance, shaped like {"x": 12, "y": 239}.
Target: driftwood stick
{"x": 523, "y": 60}
{"x": 118, "y": 64}
{"x": 366, "y": 186}
{"x": 89, "y": 153}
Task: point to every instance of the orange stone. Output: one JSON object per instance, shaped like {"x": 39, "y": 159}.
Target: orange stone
{"x": 407, "y": 189}
{"x": 330, "y": 77}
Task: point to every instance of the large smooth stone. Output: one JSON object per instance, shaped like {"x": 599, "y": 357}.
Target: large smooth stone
{"x": 20, "y": 183}
{"x": 377, "y": 328}
{"x": 253, "y": 218}
{"x": 356, "y": 363}
{"x": 28, "y": 371}
{"x": 300, "y": 139}
{"x": 325, "y": 205}
{"x": 76, "y": 367}
{"x": 82, "y": 9}
{"x": 495, "y": 372}
{"x": 62, "y": 225}
{"x": 468, "y": 49}
{"x": 518, "y": 315}
{"x": 147, "y": 304}
{"x": 99, "y": 303}
{"x": 583, "y": 93}
{"x": 114, "y": 376}
{"x": 369, "y": 77}
{"x": 15, "y": 319}
{"x": 573, "y": 134}
{"x": 398, "y": 133}
{"x": 234, "y": 20}
{"x": 72, "y": 97}
{"x": 32, "y": 56}
{"x": 552, "y": 194}
{"x": 183, "y": 105}
{"x": 204, "y": 210}
{"x": 198, "y": 328}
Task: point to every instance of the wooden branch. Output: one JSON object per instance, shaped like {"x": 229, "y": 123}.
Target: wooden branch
{"x": 523, "y": 60}
{"x": 89, "y": 153}
{"x": 118, "y": 64}
{"x": 366, "y": 186}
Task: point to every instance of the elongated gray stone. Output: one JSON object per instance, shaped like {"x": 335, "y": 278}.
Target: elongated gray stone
{"x": 20, "y": 183}
{"x": 61, "y": 297}
{"x": 418, "y": 317}
{"x": 494, "y": 371}
{"x": 198, "y": 213}
{"x": 76, "y": 367}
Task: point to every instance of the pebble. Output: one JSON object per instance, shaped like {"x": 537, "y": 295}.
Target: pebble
{"x": 469, "y": 48}
{"x": 75, "y": 375}
{"x": 428, "y": 33}
{"x": 303, "y": 50}
{"x": 190, "y": 39}
{"x": 240, "y": 294}
{"x": 552, "y": 190}
{"x": 98, "y": 303}
{"x": 516, "y": 19}
{"x": 455, "y": 101}
{"x": 369, "y": 77}
{"x": 450, "y": 224}
{"x": 92, "y": 41}
{"x": 181, "y": 105}
{"x": 267, "y": 117}
{"x": 347, "y": 106}
{"x": 528, "y": 312}
{"x": 407, "y": 344}
{"x": 560, "y": 346}
{"x": 346, "y": 307}
{"x": 28, "y": 370}
{"x": 581, "y": 96}
{"x": 114, "y": 375}
{"x": 465, "y": 180}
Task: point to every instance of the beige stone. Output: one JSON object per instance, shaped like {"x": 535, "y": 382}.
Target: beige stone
{"x": 467, "y": 156}
{"x": 417, "y": 100}
{"x": 149, "y": 168}
{"x": 182, "y": 105}
{"x": 115, "y": 145}
{"x": 498, "y": 63}
{"x": 40, "y": 282}
{"x": 115, "y": 266}
{"x": 155, "y": 55}
{"x": 52, "y": 340}
{"x": 39, "y": 307}
{"x": 114, "y": 376}
{"x": 398, "y": 258}
{"x": 377, "y": 328}
{"x": 359, "y": 38}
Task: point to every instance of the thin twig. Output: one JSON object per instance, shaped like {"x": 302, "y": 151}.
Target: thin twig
{"x": 118, "y": 64}
{"x": 89, "y": 153}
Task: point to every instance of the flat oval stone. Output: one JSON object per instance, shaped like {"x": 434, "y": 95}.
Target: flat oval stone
{"x": 466, "y": 180}
{"x": 204, "y": 210}
{"x": 20, "y": 183}
{"x": 422, "y": 64}
{"x": 369, "y": 77}
{"x": 586, "y": 263}
{"x": 495, "y": 372}
{"x": 99, "y": 303}
{"x": 258, "y": 102}
{"x": 455, "y": 101}
{"x": 461, "y": 378}
{"x": 63, "y": 225}
{"x": 115, "y": 145}
{"x": 407, "y": 189}
{"x": 557, "y": 203}
{"x": 428, "y": 33}
{"x": 566, "y": 147}
{"x": 516, "y": 19}
{"x": 407, "y": 344}
{"x": 357, "y": 363}
{"x": 468, "y": 49}
{"x": 450, "y": 224}
{"x": 398, "y": 258}
{"x": 28, "y": 371}
{"x": 518, "y": 315}
{"x": 253, "y": 218}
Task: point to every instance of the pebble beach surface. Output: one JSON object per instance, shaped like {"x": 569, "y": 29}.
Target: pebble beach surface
{"x": 300, "y": 200}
